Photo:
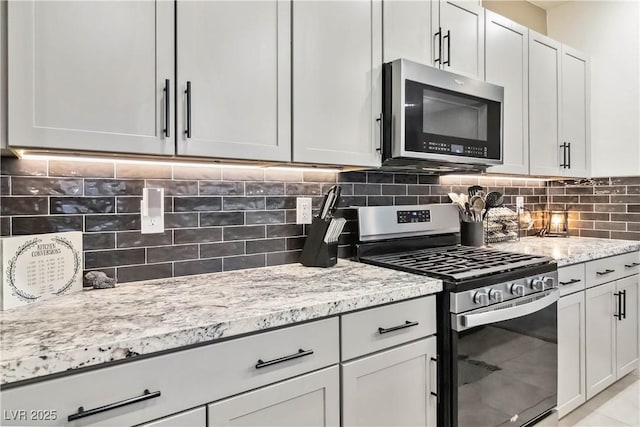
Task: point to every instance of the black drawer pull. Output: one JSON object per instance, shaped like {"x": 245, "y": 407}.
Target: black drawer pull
{"x": 602, "y": 273}
{"x": 633, "y": 264}
{"x": 407, "y": 324}
{"x": 570, "y": 282}
{"x": 146, "y": 395}
{"x": 300, "y": 353}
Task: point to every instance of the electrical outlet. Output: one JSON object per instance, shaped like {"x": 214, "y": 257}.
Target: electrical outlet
{"x": 303, "y": 210}
{"x": 519, "y": 204}
{"x": 152, "y": 211}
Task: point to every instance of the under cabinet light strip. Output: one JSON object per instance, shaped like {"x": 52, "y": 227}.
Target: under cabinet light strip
{"x": 27, "y": 156}
{"x": 509, "y": 177}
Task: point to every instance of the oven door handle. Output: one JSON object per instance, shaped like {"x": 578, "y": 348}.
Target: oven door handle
{"x": 466, "y": 321}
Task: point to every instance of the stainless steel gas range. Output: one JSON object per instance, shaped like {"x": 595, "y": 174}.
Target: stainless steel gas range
{"x": 497, "y": 315}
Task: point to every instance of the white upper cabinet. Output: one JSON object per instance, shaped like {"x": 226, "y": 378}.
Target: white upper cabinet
{"x": 544, "y": 105}
{"x": 507, "y": 65}
{"x": 236, "y": 58}
{"x": 337, "y": 64}
{"x": 407, "y": 30}
{"x": 575, "y": 114}
{"x": 458, "y": 37}
{"x": 91, "y": 75}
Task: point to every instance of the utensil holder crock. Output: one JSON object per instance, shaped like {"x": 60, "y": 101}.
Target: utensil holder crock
{"x": 472, "y": 233}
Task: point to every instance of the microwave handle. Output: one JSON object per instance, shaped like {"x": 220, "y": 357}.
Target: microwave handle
{"x": 466, "y": 321}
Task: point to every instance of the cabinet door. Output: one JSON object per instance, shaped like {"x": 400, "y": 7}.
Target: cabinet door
{"x": 194, "y": 418}
{"x": 575, "y": 112}
{"x": 236, "y": 56}
{"x": 627, "y": 327}
{"x": 462, "y": 24}
{"x": 544, "y": 103}
{"x": 571, "y": 353}
{"x": 309, "y": 400}
{"x": 407, "y": 30}
{"x": 601, "y": 338}
{"x": 392, "y": 388}
{"x": 337, "y": 61}
{"x": 91, "y": 75}
{"x": 506, "y": 64}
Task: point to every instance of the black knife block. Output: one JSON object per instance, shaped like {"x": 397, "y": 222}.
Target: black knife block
{"x": 317, "y": 253}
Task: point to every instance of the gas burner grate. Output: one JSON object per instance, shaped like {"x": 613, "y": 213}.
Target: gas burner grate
{"x": 456, "y": 262}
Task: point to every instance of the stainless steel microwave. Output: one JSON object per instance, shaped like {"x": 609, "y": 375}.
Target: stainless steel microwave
{"x": 440, "y": 121}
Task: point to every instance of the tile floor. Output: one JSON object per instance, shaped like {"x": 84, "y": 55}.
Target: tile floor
{"x": 619, "y": 405}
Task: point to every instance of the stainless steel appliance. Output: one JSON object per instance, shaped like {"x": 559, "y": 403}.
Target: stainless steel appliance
{"x": 497, "y": 321}
{"x": 436, "y": 120}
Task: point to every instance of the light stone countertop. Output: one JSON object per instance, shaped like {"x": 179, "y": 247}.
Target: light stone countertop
{"x": 97, "y": 326}
{"x": 570, "y": 250}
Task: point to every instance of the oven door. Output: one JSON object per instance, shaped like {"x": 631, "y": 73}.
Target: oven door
{"x": 505, "y": 362}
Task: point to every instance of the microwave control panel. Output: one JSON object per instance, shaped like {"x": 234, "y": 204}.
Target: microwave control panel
{"x": 446, "y": 148}
{"x": 407, "y": 217}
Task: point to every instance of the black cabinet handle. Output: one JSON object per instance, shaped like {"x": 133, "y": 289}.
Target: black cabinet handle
{"x": 407, "y": 324}
{"x": 167, "y": 108}
{"x": 602, "y": 273}
{"x": 448, "y": 37}
{"x": 563, "y": 165}
{"x": 624, "y": 304}
{"x": 300, "y": 353}
{"x": 146, "y": 395}
{"x": 570, "y": 282}
{"x": 618, "y": 296}
{"x": 187, "y": 131}
{"x": 569, "y": 155}
{"x": 633, "y": 264}
{"x": 439, "y": 36}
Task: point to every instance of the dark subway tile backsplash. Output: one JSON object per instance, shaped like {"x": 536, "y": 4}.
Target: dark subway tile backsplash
{"x": 227, "y": 219}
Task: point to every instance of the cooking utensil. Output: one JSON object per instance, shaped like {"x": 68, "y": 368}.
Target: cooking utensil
{"x": 477, "y": 205}
{"x": 454, "y": 198}
{"x": 494, "y": 199}
{"x": 473, "y": 190}
{"x": 334, "y": 230}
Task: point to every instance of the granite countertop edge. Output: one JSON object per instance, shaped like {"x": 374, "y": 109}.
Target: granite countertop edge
{"x": 41, "y": 365}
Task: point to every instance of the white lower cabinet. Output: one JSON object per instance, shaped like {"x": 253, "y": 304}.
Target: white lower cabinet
{"x": 571, "y": 353}
{"x": 598, "y": 327}
{"x": 627, "y": 326}
{"x": 395, "y": 387}
{"x": 309, "y": 400}
{"x": 612, "y": 332}
{"x": 601, "y": 338}
{"x": 194, "y": 418}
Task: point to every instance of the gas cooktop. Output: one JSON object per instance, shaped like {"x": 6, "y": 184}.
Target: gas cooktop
{"x": 455, "y": 263}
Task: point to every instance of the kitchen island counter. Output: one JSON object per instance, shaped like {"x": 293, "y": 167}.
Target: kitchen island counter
{"x": 570, "y": 250}
{"x": 93, "y": 327}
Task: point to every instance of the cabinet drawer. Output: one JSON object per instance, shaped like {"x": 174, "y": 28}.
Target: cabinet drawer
{"x": 375, "y": 329}
{"x": 571, "y": 279}
{"x": 612, "y": 268}
{"x": 185, "y": 379}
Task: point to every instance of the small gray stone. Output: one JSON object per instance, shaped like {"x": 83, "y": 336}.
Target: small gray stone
{"x": 99, "y": 280}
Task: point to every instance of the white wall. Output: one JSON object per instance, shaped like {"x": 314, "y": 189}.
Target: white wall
{"x": 609, "y": 32}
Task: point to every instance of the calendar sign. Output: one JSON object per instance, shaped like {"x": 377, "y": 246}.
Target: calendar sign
{"x": 38, "y": 267}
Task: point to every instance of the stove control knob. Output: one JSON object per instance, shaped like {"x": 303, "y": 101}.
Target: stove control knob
{"x": 480, "y": 298}
{"x": 537, "y": 284}
{"x": 517, "y": 290}
{"x": 496, "y": 295}
{"x": 549, "y": 283}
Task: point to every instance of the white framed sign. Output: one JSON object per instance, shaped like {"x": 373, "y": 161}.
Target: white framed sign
{"x": 40, "y": 266}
